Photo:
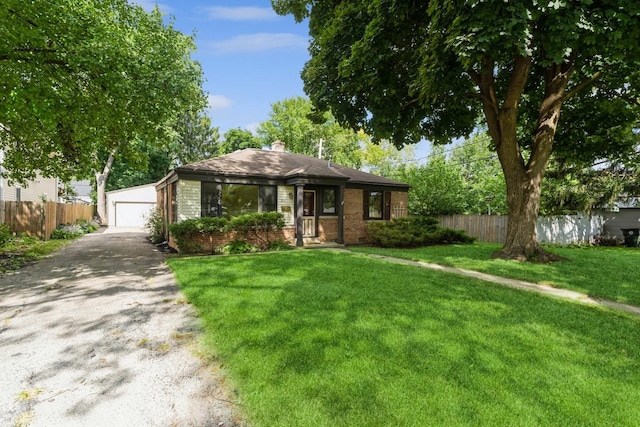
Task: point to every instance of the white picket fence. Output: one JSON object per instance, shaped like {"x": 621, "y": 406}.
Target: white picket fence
{"x": 569, "y": 228}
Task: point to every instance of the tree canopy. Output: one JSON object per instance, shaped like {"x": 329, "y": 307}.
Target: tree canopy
{"x": 432, "y": 69}
{"x": 195, "y": 139}
{"x": 238, "y": 139}
{"x": 484, "y": 182}
{"x": 292, "y": 121}
{"x": 384, "y": 158}
{"x": 83, "y": 75}
{"x": 437, "y": 187}
{"x": 151, "y": 163}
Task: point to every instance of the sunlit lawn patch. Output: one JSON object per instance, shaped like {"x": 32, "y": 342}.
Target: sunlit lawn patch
{"x": 603, "y": 272}
{"x": 318, "y": 338}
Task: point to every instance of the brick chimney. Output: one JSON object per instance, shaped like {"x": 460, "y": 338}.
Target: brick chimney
{"x": 277, "y": 146}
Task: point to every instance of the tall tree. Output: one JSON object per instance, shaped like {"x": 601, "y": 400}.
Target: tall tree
{"x": 485, "y": 188}
{"x": 238, "y": 139}
{"x": 384, "y": 158}
{"x": 88, "y": 75}
{"x": 150, "y": 164}
{"x": 570, "y": 188}
{"x": 437, "y": 187}
{"x": 195, "y": 139}
{"x": 429, "y": 69}
{"x": 293, "y": 122}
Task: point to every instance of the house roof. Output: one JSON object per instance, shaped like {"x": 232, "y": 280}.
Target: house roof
{"x": 282, "y": 166}
{"x": 137, "y": 187}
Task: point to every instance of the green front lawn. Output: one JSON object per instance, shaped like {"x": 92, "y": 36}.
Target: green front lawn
{"x": 320, "y": 338}
{"x": 604, "y": 272}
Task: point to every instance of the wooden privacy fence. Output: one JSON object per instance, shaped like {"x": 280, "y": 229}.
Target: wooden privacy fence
{"x": 38, "y": 219}
{"x": 486, "y": 228}
{"x": 555, "y": 229}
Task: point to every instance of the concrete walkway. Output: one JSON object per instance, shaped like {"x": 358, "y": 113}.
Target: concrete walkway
{"x": 517, "y": 284}
{"x": 99, "y": 335}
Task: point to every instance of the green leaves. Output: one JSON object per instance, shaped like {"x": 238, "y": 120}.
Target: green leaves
{"x": 87, "y": 74}
{"x": 436, "y": 187}
{"x": 238, "y": 139}
{"x": 402, "y": 70}
{"x": 195, "y": 139}
{"x": 294, "y": 122}
{"x": 255, "y": 226}
{"x": 436, "y": 70}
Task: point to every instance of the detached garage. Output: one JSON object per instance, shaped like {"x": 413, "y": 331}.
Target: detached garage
{"x": 128, "y": 207}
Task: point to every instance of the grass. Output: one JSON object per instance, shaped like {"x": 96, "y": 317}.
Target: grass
{"x": 319, "y": 338}
{"x": 25, "y": 418}
{"x": 604, "y": 272}
{"x": 21, "y": 251}
{"x": 28, "y": 394}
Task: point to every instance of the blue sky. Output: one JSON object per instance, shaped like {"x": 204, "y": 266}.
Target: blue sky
{"x": 251, "y": 57}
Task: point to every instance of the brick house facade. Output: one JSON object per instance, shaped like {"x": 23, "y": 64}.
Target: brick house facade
{"x": 320, "y": 201}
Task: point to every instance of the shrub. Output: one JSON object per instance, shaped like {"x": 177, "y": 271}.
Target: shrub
{"x": 67, "y": 232}
{"x": 235, "y": 247}
{"x": 154, "y": 224}
{"x": 448, "y": 236}
{"x": 280, "y": 245}
{"x": 253, "y": 226}
{"x": 257, "y": 226}
{"x": 88, "y": 226}
{"x": 194, "y": 226}
{"x": 5, "y": 234}
{"x": 605, "y": 240}
{"x": 412, "y": 232}
{"x": 185, "y": 231}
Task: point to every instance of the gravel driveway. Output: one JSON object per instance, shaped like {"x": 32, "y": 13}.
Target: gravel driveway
{"x": 99, "y": 335}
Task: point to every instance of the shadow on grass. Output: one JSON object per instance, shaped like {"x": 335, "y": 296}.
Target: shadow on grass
{"x": 331, "y": 338}
{"x": 601, "y": 272}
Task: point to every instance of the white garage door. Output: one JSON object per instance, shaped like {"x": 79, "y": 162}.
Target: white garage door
{"x": 131, "y": 214}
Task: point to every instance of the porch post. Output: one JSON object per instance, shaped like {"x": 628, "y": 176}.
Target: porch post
{"x": 340, "y": 209}
{"x": 299, "y": 213}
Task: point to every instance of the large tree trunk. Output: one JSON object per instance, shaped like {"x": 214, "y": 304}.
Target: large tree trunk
{"x": 523, "y": 199}
{"x": 101, "y": 185}
{"x": 523, "y": 178}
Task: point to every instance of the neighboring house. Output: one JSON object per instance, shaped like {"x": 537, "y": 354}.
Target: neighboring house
{"x": 621, "y": 218}
{"x": 320, "y": 201}
{"x": 128, "y": 207}
{"x": 32, "y": 191}
{"x": 80, "y": 192}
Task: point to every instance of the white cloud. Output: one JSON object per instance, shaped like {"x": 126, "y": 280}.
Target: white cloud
{"x": 241, "y": 13}
{"x": 260, "y": 42}
{"x": 218, "y": 102}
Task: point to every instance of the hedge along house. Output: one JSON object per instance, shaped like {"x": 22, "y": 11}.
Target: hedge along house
{"x": 320, "y": 201}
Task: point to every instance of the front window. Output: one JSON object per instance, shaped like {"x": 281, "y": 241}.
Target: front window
{"x": 238, "y": 199}
{"x": 329, "y": 201}
{"x": 210, "y": 200}
{"x": 376, "y": 199}
{"x": 268, "y": 198}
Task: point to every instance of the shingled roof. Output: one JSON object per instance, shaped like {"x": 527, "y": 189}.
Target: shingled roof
{"x": 280, "y": 165}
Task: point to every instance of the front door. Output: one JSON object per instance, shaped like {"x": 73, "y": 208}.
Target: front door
{"x": 309, "y": 214}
